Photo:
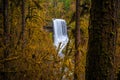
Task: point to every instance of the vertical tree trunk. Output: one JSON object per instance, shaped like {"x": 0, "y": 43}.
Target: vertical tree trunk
{"x": 23, "y": 22}
{"x": 6, "y": 35}
{"x": 102, "y": 40}
{"x": 22, "y": 33}
{"x": 118, "y": 46}
{"x": 77, "y": 41}
{"x": 5, "y": 24}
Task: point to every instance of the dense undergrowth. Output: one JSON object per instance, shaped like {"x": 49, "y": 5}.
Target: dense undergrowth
{"x": 38, "y": 59}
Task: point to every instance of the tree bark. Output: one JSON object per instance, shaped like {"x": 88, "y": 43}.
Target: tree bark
{"x": 22, "y": 33}
{"x": 77, "y": 41}
{"x": 23, "y": 22}
{"x": 6, "y": 36}
{"x": 102, "y": 40}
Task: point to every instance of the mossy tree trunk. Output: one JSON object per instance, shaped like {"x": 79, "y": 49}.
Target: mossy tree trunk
{"x": 102, "y": 40}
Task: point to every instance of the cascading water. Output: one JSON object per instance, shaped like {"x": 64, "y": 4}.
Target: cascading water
{"x": 60, "y": 35}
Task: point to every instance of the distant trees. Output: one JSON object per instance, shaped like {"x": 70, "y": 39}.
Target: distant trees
{"x": 84, "y": 10}
{"x": 102, "y": 40}
{"x": 21, "y": 23}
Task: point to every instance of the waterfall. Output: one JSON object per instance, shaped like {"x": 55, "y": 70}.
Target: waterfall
{"x": 60, "y": 35}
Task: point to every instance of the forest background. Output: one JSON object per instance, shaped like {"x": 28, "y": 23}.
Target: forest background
{"x": 28, "y": 48}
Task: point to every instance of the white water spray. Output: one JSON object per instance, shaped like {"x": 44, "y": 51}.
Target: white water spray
{"x": 60, "y": 35}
